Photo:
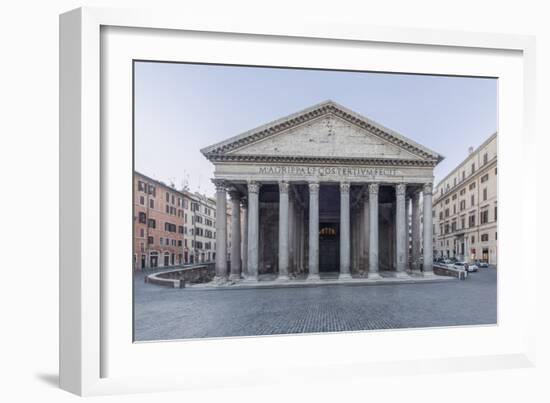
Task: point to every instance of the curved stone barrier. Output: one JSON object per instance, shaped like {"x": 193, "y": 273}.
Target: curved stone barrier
{"x": 179, "y": 278}
{"x": 444, "y": 270}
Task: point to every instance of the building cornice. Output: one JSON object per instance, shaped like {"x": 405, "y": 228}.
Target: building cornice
{"x": 320, "y": 160}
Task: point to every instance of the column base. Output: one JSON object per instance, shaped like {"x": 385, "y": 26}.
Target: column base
{"x": 282, "y": 278}
{"x": 250, "y": 279}
{"x": 401, "y": 274}
{"x": 345, "y": 276}
{"x": 219, "y": 279}
{"x": 235, "y": 277}
{"x": 313, "y": 277}
{"x": 374, "y": 275}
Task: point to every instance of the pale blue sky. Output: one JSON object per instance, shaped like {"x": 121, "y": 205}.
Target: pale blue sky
{"x": 181, "y": 108}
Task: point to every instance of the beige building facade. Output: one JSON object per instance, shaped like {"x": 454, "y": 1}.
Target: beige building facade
{"x": 323, "y": 190}
{"x": 465, "y": 213}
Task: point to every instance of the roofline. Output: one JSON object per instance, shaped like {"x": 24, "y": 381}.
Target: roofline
{"x": 206, "y": 150}
{"x": 487, "y": 141}
{"x": 185, "y": 193}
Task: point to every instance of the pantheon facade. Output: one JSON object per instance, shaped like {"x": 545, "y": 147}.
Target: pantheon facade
{"x": 323, "y": 191}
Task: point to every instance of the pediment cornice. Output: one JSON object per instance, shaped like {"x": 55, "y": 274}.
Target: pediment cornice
{"x": 222, "y": 151}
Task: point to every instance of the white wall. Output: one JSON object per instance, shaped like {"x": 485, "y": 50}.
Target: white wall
{"x": 28, "y": 163}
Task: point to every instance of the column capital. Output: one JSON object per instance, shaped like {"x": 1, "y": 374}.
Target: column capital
{"x": 253, "y": 187}
{"x": 220, "y": 184}
{"x": 373, "y": 188}
{"x": 344, "y": 187}
{"x": 400, "y": 189}
{"x": 427, "y": 188}
{"x": 313, "y": 187}
{"x": 283, "y": 187}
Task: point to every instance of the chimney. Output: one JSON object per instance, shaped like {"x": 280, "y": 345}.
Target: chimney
{"x": 470, "y": 150}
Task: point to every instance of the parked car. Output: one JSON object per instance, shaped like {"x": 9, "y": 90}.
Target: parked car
{"x": 482, "y": 264}
{"x": 469, "y": 267}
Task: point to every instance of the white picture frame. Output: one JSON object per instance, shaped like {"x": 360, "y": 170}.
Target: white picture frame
{"x": 92, "y": 346}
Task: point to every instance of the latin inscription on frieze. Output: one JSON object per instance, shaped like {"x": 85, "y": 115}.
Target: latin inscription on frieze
{"x": 351, "y": 172}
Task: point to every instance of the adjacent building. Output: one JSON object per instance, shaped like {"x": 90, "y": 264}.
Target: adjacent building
{"x": 173, "y": 227}
{"x": 465, "y": 213}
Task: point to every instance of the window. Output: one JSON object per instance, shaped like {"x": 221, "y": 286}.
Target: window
{"x": 485, "y": 178}
{"x": 152, "y": 190}
{"x": 472, "y": 200}
{"x": 180, "y": 229}
{"x": 167, "y": 197}
{"x": 152, "y": 223}
{"x": 463, "y": 191}
{"x": 454, "y": 197}
{"x": 167, "y": 209}
{"x": 161, "y": 241}
{"x": 151, "y": 203}
{"x": 453, "y": 226}
{"x": 473, "y": 167}
{"x": 484, "y": 217}
{"x": 169, "y": 227}
{"x": 496, "y": 236}
{"x": 141, "y": 186}
{"x": 484, "y": 194}
{"x": 463, "y": 175}
{"x": 441, "y": 215}
{"x": 447, "y": 201}
{"x": 462, "y": 205}
{"x": 495, "y": 213}
{"x": 473, "y": 239}
{"x": 485, "y": 158}
{"x": 150, "y": 240}
{"x": 446, "y": 212}
{"x": 142, "y": 200}
{"x": 463, "y": 223}
{"x": 142, "y": 217}
{"x": 471, "y": 221}
{"x": 179, "y": 242}
{"x": 495, "y": 171}
{"x": 141, "y": 233}
{"x": 472, "y": 186}
{"x": 454, "y": 208}
{"x": 173, "y": 200}
{"x": 484, "y": 237}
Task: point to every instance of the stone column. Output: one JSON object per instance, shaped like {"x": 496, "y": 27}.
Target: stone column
{"x": 244, "y": 243}
{"x": 400, "y": 229}
{"x": 291, "y": 233}
{"x": 313, "y": 231}
{"x": 416, "y": 231}
{"x": 407, "y": 231}
{"x": 221, "y": 230}
{"x": 253, "y": 230}
{"x": 344, "y": 232}
{"x": 427, "y": 234}
{"x": 283, "y": 231}
{"x": 235, "y": 235}
{"x": 373, "y": 231}
{"x": 366, "y": 226}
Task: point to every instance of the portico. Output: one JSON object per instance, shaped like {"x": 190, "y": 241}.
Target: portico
{"x": 326, "y": 191}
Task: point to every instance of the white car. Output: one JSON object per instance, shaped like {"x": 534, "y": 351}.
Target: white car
{"x": 469, "y": 267}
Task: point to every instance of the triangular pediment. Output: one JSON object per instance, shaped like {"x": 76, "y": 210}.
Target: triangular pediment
{"x": 327, "y": 130}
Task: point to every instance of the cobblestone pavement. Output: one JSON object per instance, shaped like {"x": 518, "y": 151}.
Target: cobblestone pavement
{"x": 163, "y": 313}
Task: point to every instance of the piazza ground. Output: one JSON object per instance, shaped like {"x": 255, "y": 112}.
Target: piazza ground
{"x": 165, "y": 313}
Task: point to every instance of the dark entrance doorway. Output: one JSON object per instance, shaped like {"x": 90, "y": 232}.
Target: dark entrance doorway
{"x": 329, "y": 247}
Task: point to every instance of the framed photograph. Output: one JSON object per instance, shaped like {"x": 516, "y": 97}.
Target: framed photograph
{"x": 238, "y": 196}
